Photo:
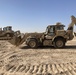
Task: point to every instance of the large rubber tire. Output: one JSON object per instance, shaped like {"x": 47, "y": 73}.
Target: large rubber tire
{"x": 59, "y": 43}
{"x": 33, "y": 43}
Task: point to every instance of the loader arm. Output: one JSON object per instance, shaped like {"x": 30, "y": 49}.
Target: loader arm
{"x": 71, "y": 27}
{"x": 19, "y": 39}
{"x": 73, "y": 22}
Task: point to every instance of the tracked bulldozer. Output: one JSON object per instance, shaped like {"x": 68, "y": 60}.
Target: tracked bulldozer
{"x": 55, "y": 35}
{"x": 6, "y": 33}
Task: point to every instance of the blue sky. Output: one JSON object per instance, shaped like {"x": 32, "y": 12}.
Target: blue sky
{"x": 35, "y": 15}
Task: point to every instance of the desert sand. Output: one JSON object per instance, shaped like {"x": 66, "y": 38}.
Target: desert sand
{"x": 23, "y": 60}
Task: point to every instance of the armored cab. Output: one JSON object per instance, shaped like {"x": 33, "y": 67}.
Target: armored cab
{"x": 6, "y": 32}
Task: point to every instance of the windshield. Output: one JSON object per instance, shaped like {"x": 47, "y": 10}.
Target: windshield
{"x": 4, "y": 29}
{"x": 50, "y": 29}
{"x": 9, "y": 28}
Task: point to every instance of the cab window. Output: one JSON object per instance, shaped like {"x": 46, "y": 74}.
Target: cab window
{"x": 51, "y": 30}
{"x": 8, "y": 28}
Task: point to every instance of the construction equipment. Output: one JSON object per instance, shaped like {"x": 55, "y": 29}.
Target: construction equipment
{"x": 6, "y": 33}
{"x": 55, "y": 35}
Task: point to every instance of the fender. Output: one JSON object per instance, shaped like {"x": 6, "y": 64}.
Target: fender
{"x": 58, "y": 37}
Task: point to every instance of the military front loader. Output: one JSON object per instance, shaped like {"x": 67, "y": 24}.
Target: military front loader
{"x": 55, "y": 35}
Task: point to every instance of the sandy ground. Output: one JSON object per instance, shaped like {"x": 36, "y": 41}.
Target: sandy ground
{"x": 42, "y": 61}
